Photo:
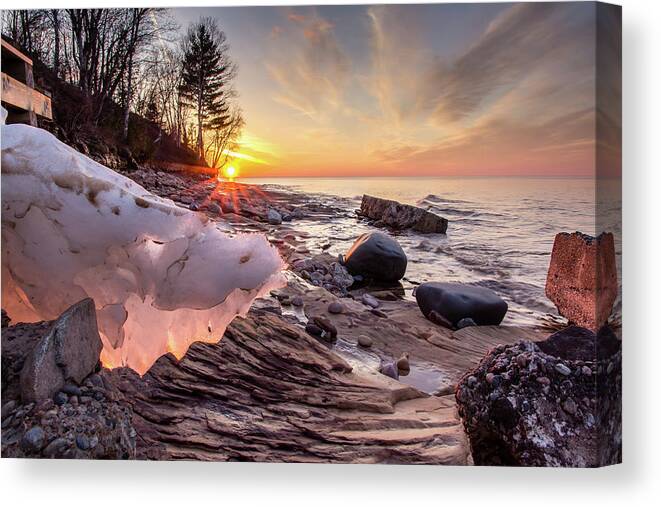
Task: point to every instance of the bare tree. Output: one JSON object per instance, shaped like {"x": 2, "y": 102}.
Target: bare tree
{"x": 222, "y": 140}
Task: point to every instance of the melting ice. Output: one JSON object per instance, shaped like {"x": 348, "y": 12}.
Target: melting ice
{"x": 161, "y": 276}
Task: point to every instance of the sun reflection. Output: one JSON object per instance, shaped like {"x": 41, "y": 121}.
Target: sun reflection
{"x": 228, "y": 173}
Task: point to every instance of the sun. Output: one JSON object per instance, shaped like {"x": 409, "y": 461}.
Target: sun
{"x": 230, "y": 172}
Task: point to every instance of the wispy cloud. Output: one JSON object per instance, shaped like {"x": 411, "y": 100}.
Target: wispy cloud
{"x": 308, "y": 65}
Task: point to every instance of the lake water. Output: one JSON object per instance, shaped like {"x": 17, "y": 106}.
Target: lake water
{"x": 500, "y": 232}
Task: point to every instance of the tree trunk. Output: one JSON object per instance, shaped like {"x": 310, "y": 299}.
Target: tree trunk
{"x": 127, "y": 106}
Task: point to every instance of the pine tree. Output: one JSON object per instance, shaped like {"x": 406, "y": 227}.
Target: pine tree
{"x": 207, "y": 76}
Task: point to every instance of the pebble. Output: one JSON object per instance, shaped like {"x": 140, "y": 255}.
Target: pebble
{"x": 297, "y": 301}
{"x": 194, "y": 206}
{"x": 33, "y": 439}
{"x": 7, "y": 408}
{"x": 521, "y": 360}
{"x": 466, "y": 322}
{"x": 471, "y": 381}
{"x": 403, "y": 362}
{"x": 60, "y": 398}
{"x": 562, "y": 369}
{"x": 390, "y": 370}
{"x": 215, "y": 209}
{"x": 336, "y": 307}
{"x": 489, "y": 378}
{"x": 71, "y": 389}
{"x": 586, "y": 370}
{"x": 285, "y": 301}
{"x": 96, "y": 380}
{"x": 544, "y": 381}
{"x": 569, "y": 406}
{"x": 326, "y": 325}
{"x": 365, "y": 341}
{"x": 55, "y": 447}
{"x": 82, "y": 442}
{"x": 370, "y": 301}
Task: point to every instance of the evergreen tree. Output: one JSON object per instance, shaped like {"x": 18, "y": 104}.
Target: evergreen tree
{"x": 207, "y": 76}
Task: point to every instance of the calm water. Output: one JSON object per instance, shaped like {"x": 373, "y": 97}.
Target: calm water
{"x": 500, "y": 233}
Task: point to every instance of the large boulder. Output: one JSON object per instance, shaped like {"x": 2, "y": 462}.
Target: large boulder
{"x": 550, "y": 403}
{"x": 582, "y": 278}
{"x": 402, "y": 216}
{"x": 452, "y": 302}
{"x": 69, "y": 351}
{"x": 377, "y": 256}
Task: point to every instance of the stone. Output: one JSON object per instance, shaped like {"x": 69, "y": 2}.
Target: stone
{"x": 402, "y": 216}
{"x": 82, "y": 442}
{"x": 403, "y": 363}
{"x": 365, "y": 341}
{"x": 215, "y": 208}
{"x": 297, "y": 301}
{"x": 313, "y": 329}
{"x": 520, "y": 417}
{"x": 390, "y": 370}
{"x": 582, "y": 278}
{"x": 370, "y": 301}
{"x": 273, "y": 217}
{"x": 60, "y": 398}
{"x": 68, "y": 351}
{"x": 326, "y": 325}
{"x": 455, "y": 302}
{"x": 465, "y": 322}
{"x": 33, "y": 439}
{"x": 71, "y": 389}
{"x": 336, "y": 307}
{"x": 377, "y": 256}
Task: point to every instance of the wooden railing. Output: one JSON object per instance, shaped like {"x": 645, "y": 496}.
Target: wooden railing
{"x": 22, "y": 101}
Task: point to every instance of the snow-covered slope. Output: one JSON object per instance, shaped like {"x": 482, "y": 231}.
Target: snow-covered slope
{"x": 161, "y": 276}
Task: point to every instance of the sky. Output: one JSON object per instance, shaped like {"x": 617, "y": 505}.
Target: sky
{"x": 414, "y": 90}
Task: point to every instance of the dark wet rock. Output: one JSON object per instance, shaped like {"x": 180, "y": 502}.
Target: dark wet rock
{"x": 273, "y": 217}
{"x": 370, "y": 301}
{"x": 530, "y": 404}
{"x": 60, "y": 398}
{"x": 403, "y": 363}
{"x": 297, "y": 301}
{"x": 313, "y": 329}
{"x": 377, "y": 256}
{"x": 69, "y": 351}
{"x": 454, "y": 302}
{"x": 401, "y": 216}
{"x": 71, "y": 389}
{"x": 215, "y": 208}
{"x": 82, "y": 442}
{"x": 582, "y": 278}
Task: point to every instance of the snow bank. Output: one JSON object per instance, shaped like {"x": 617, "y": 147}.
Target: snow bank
{"x": 161, "y": 276}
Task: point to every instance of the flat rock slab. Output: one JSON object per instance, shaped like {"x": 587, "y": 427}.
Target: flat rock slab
{"x": 401, "y": 216}
{"x": 270, "y": 392}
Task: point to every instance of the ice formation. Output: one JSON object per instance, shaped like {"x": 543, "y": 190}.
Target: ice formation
{"x": 161, "y": 276}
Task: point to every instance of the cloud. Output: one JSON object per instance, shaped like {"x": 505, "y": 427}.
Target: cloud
{"x": 521, "y": 95}
{"x": 308, "y": 66}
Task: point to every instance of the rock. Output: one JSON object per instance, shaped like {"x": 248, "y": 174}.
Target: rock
{"x": 297, "y": 301}
{"x": 536, "y": 412}
{"x": 194, "y": 206}
{"x": 60, "y": 398}
{"x": 390, "y": 370}
{"x": 582, "y": 278}
{"x": 336, "y": 307}
{"x": 326, "y": 325}
{"x": 377, "y": 256}
{"x": 69, "y": 351}
{"x": 403, "y": 363}
{"x": 33, "y": 439}
{"x": 313, "y": 329}
{"x": 465, "y": 322}
{"x": 370, "y": 301}
{"x": 215, "y": 208}
{"x": 56, "y": 448}
{"x": 8, "y": 408}
{"x": 82, "y": 442}
{"x": 365, "y": 341}
{"x": 402, "y": 216}
{"x": 273, "y": 217}
{"x": 71, "y": 389}
{"x": 454, "y": 302}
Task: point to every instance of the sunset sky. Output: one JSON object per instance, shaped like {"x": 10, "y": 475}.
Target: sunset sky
{"x": 400, "y": 90}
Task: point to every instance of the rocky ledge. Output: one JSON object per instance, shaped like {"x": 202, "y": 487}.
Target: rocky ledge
{"x": 387, "y": 213}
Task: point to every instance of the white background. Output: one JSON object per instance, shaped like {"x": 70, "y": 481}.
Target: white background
{"x": 636, "y": 482}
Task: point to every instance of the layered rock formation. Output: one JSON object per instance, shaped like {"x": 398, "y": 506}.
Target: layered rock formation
{"x": 582, "y": 278}
{"x": 401, "y": 216}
